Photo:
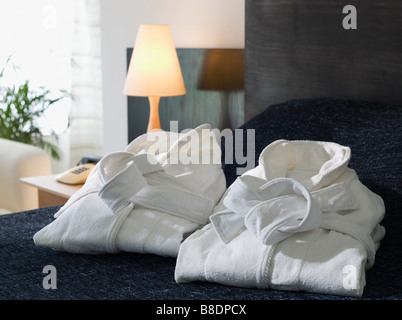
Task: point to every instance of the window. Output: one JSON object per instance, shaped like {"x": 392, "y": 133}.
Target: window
{"x": 39, "y": 34}
{"x": 57, "y": 44}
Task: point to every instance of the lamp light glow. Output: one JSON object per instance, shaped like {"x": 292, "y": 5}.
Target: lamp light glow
{"x": 154, "y": 69}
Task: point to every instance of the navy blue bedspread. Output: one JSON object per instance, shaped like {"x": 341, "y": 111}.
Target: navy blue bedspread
{"x": 372, "y": 131}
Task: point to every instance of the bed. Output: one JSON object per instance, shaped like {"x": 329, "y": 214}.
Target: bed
{"x": 285, "y": 98}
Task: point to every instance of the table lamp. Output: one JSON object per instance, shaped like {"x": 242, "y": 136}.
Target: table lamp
{"x": 154, "y": 69}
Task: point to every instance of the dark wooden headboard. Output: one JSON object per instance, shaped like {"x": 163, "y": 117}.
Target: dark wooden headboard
{"x": 300, "y": 49}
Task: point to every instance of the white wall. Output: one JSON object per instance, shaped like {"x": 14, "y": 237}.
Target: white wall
{"x": 193, "y": 24}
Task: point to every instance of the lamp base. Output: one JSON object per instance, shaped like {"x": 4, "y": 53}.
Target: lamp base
{"x": 154, "y": 123}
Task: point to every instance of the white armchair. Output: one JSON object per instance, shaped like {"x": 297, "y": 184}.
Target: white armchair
{"x": 18, "y": 160}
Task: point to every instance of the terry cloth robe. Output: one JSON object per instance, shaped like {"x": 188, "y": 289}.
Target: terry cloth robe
{"x": 136, "y": 201}
{"x": 301, "y": 221}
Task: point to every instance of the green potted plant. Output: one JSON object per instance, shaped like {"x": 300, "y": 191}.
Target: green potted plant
{"x": 20, "y": 109}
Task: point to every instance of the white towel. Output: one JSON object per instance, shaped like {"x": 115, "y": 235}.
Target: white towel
{"x": 131, "y": 203}
{"x": 300, "y": 220}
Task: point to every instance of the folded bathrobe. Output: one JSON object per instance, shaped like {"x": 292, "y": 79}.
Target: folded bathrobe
{"x": 301, "y": 220}
{"x": 140, "y": 201}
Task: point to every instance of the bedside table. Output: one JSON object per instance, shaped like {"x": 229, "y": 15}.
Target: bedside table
{"x": 50, "y": 191}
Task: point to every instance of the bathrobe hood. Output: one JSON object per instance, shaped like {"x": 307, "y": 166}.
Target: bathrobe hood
{"x": 314, "y": 164}
{"x": 192, "y": 156}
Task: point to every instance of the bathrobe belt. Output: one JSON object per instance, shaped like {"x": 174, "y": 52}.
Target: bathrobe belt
{"x": 282, "y": 207}
{"x": 127, "y": 180}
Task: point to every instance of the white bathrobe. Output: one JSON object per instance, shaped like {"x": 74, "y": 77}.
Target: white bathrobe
{"x": 301, "y": 221}
{"x": 141, "y": 201}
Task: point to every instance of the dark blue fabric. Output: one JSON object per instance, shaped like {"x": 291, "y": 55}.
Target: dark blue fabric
{"x": 373, "y": 131}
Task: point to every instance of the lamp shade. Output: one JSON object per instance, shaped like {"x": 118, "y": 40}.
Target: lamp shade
{"x": 154, "y": 68}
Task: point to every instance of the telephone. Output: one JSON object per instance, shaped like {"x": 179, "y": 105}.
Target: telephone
{"x": 79, "y": 173}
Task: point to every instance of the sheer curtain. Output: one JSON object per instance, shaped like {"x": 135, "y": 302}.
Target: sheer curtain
{"x": 86, "y": 108}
